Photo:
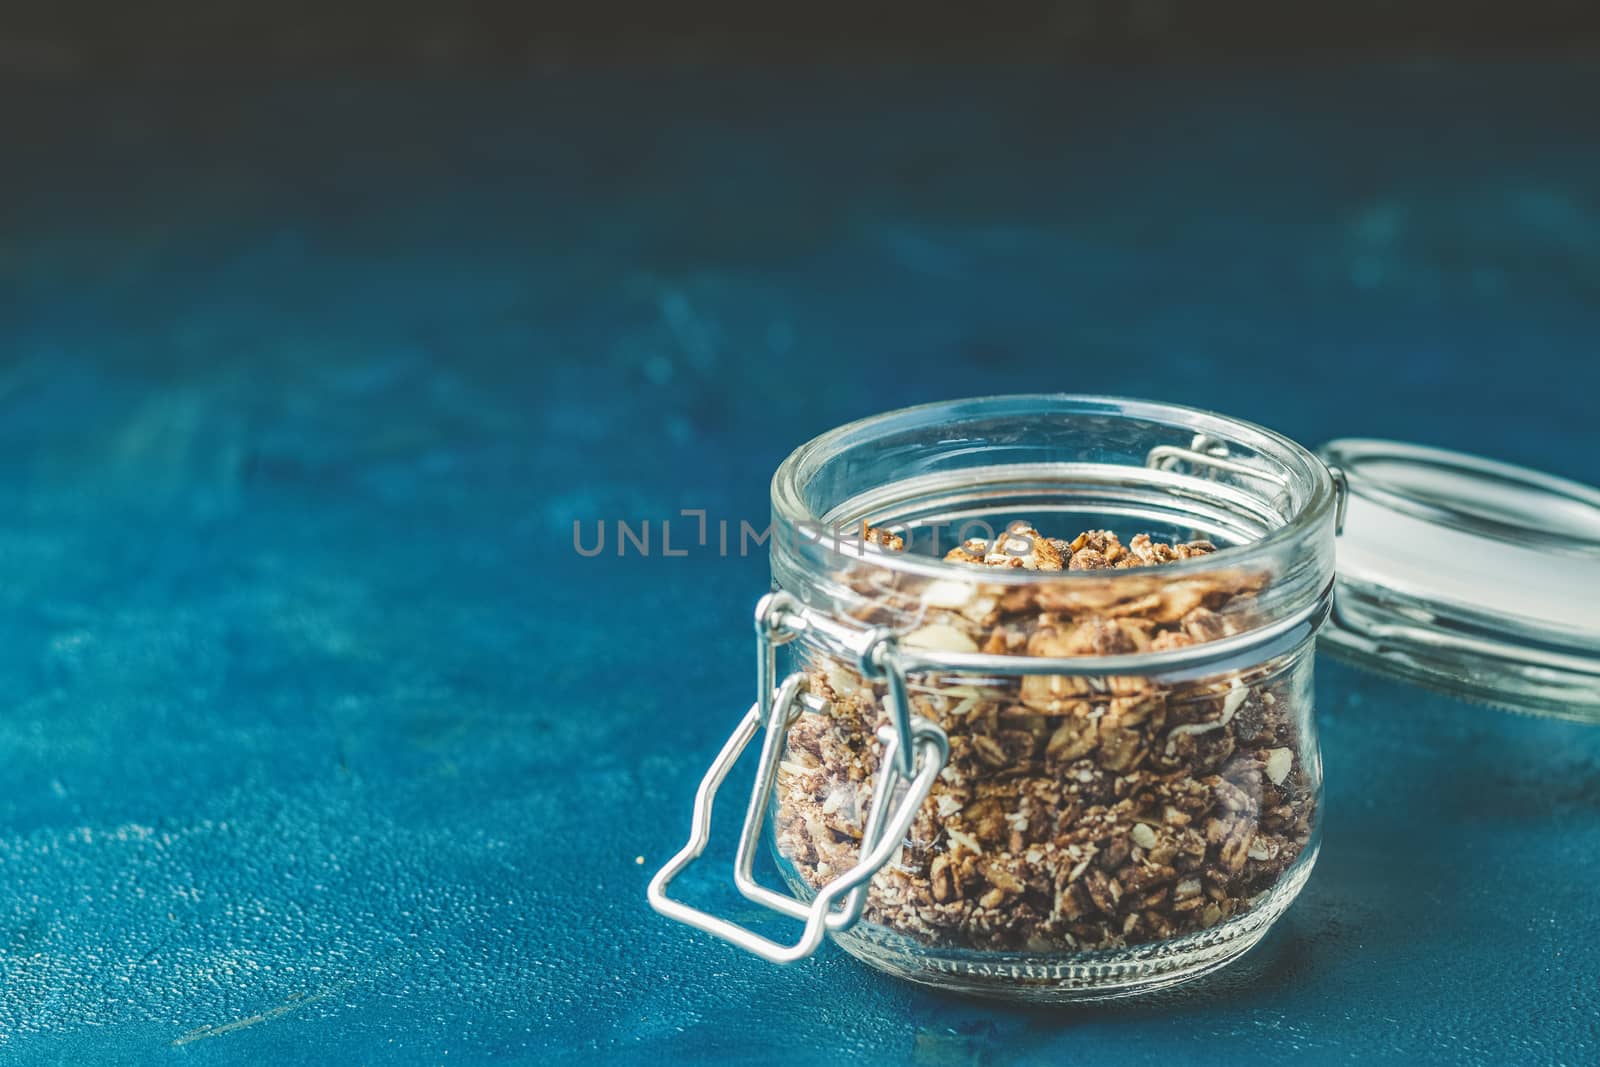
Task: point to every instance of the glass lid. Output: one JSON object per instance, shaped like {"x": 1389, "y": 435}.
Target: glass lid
{"x": 1477, "y": 578}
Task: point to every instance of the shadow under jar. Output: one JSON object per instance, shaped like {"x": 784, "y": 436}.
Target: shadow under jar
{"x": 1077, "y": 758}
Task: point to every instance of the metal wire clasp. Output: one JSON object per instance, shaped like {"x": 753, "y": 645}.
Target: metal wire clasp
{"x": 914, "y": 752}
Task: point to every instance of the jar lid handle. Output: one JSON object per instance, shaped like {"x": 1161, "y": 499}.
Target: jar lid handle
{"x": 887, "y": 822}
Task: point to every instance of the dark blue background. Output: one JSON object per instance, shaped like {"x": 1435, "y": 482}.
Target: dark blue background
{"x": 322, "y": 743}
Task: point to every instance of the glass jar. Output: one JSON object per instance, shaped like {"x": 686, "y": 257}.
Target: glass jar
{"x": 1049, "y": 764}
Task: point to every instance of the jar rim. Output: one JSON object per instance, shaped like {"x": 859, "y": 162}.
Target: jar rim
{"x": 792, "y": 513}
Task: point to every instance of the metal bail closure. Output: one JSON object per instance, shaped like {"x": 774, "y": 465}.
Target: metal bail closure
{"x": 914, "y": 752}
{"x": 1476, "y": 578}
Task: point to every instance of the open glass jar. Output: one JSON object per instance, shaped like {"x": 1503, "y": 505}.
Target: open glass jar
{"x": 1014, "y": 755}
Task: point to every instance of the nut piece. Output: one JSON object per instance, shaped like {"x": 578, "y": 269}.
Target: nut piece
{"x": 874, "y": 535}
{"x": 945, "y": 593}
{"x": 939, "y": 637}
{"x": 1237, "y": 695}
{"x": 1279, "y": 760}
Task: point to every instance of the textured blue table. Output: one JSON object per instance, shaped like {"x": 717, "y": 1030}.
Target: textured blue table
{"x": 322, "y": 745}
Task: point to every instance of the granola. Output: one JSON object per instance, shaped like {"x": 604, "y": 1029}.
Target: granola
{"x": 1074, "y": 813}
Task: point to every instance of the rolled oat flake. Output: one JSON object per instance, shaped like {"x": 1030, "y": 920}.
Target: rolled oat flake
{"x": 1034, "y": 680}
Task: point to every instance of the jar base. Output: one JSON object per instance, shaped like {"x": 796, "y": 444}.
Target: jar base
{"x": 1075, "y": 976}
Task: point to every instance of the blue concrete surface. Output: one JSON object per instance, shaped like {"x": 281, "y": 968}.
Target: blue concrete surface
{"x": 322, "y": 745}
